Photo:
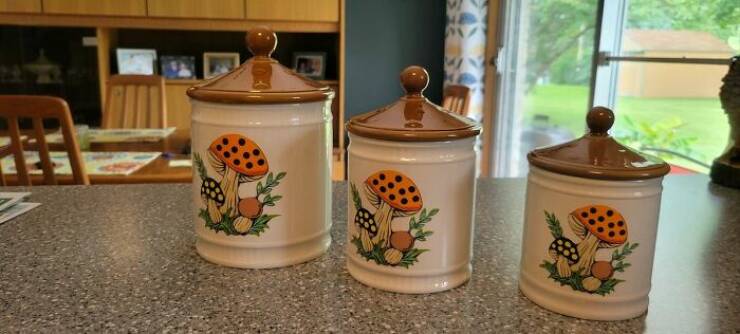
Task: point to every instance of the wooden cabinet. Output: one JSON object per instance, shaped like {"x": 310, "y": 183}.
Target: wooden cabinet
{"x": 20, "y": 6}
{"x": 178, "y": 105}
{"x": 293, "y": 10}
{"x": 96, "y": 7}
{"x": 212, "y": 9}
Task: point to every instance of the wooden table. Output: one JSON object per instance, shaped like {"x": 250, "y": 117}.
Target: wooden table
{"x": 157, "y": 171}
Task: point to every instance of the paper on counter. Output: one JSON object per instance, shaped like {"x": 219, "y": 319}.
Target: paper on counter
{"x": 181, "y": 163}
{"x": 16, "y": 211}
{"x": 8, "y": 199}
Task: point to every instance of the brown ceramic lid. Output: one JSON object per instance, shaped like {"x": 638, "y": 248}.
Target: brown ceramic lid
{"x": 260, "y": 79}
{"x": 597, "y": 155}
{"x": 413, "y": 117}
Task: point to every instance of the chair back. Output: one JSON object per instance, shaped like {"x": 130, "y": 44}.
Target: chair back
{"x": 456, "y": 99}
{"x": 135, "y": 101}
{"x": 38, "y": 108}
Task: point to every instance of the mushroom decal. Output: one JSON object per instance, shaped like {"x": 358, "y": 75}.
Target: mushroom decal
{"x": 564, "y": 252}
{"x": 237, "y": 159}
{"x": 393, "y": 195}
{"x": 211, "y": 193}
{"x": 599, "y": 226}
{"x": 575, "y": 265}
{"x": 368, "y": 229}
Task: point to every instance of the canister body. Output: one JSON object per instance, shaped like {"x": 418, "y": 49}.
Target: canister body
{"x": 431, "y": 247}
{"x": 289, "y": 206}
{"x": 557, "y": 246}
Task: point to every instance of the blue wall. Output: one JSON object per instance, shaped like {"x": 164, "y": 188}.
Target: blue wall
{"x": 382, "y": 38}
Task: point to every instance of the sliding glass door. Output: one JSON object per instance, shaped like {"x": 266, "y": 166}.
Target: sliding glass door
{"x": 658, "y": 64}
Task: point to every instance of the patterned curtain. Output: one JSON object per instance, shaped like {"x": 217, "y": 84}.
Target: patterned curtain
{"x": 465, "y": 49}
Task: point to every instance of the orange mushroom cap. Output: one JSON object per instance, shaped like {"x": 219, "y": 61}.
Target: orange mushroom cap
{"x": 240, "y": 154}
{"x": 396, "y": 189}
{"x": 604, "y": 222}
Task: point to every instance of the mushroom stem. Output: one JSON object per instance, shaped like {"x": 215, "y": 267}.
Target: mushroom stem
{"x": 383, "y": 217}
{"x": 230, "y": 186}
{"x": 563, "y": 267}
{"x": 213, "y": 212}
{"x": 367, "y": 244}
{"x": 587, "y": 250}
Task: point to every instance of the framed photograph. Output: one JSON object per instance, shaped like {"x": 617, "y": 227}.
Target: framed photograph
{"x": 177, "y": 67}
{"x": 217, "y": 63}
{"x": 310, "y": 64}
{"x": 136, "y": 61}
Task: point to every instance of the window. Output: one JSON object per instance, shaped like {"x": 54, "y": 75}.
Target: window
{"x": 659, "y": 67}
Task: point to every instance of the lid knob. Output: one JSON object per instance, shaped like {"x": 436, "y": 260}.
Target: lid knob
{"x": 261, "y": 41}
{"x": 600, "y": 120}
{"x": 414, "y": 80}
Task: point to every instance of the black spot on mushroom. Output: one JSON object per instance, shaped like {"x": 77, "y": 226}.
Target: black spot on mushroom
{"x": 622, "y": 232}
{"x": 416, "y": 198}
{"x": 620, "y": 223}
{"x": 391, "y": 185}
{"x": 382, "y": 189}
{"x": 600, "y": 229}
{"x": 609, "y": 213}
{"x": 584, "y": 214}
{"x": 611, "y": 225}
{"x": 261, "y": 162}
{"x": 234, "y": 149}
{"x": 242, "y": 141}
{"x": 256, "y": 152}
{"x": 601, "y": 218}
{"x": 611, "y": 233}
{"x": 249, "y": 165}
{"x": 402, "y": 191}
{"x": 375, "y": 182}
{"x": 219, "y": 147}
{"x": 404, "y": 201}
{"x": 412, "y": 189}
{"x": 591, "y": 221}
{"x": 382, "y": 176}
{"x": 227, "y": 154}
{"x": 245, "y": 155}
{"x": 225, "y": 141}
{"x": 399, "y": 178}
{"x": 392, "y": 197}
{"x": 592, "y": 210}
{"x": 237, "y": 162}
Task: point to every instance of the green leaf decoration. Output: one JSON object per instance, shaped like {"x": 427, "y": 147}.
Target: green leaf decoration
{"x": 201, "y": 168}
{"x": 554, "y": 225}
{"x": 355, "y": 196}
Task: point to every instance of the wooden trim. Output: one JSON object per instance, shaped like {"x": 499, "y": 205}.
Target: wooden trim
{"x": 163, "y": 23}
{"x": 489, "y": 98}
{"x": 105, "y": 39}
{"x": 342, "y": 54}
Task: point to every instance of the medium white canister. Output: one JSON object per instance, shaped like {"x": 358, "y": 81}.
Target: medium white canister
{"x": 411, "y": 174}
{"x": 262, "y": 163}
{"x": 590, "y": 225}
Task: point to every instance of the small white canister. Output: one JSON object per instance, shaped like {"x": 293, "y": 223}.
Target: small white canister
{"x": 590, "y": 225}
{"x": 262, "y": 160}
{"x": 411, "y": 174}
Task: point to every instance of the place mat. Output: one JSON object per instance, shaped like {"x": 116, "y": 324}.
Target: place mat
{"x": 96, "y": 163}
{"x": 8, "y": 199}
{"x": 119, "y": 135}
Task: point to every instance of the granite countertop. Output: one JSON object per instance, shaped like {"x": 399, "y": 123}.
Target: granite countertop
{"x": 122, "y": 259}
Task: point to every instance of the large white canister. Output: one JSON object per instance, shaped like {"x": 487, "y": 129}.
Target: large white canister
{"x": 411, "y": 174}
{"x": 262, "y": 163}
{"x": 590, "y": 225}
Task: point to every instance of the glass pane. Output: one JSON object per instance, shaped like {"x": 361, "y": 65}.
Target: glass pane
{"x": 682, "y": 28}
{"x": 553, "y": 46}
{"x": 673, "y": 110}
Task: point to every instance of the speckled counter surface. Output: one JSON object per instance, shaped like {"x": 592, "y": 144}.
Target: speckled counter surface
{"x": 122, "y": 259}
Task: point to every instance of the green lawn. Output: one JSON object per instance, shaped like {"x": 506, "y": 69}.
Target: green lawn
{"x": 702, "y": 118}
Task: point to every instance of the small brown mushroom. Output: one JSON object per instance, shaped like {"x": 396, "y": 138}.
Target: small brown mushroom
{"x": 591, "y": 284}
{"x": 250, "y": 207}
{"x": 393, "y": 256}
{"x": 394, "y": 195}
{"x": 402, "y": 240}
{"x": 602, "y": 270}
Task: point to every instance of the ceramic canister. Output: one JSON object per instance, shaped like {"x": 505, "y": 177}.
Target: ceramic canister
{"x": 590, "y": 225}
{"x": 262, "y": 163}
{"x": 411, "y": 174}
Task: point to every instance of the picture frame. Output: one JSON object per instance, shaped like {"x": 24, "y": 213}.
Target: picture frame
{"x": 136, "y": 61}
{"x": 177, "y": 67}
{"x": 310, "y": 64}
{"x": 217, "y": 63}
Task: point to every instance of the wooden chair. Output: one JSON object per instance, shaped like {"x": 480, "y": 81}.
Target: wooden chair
{"x": 456, "y": 99}
{"x": 135, "y": 101}
{"x": 38, "y": 108}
